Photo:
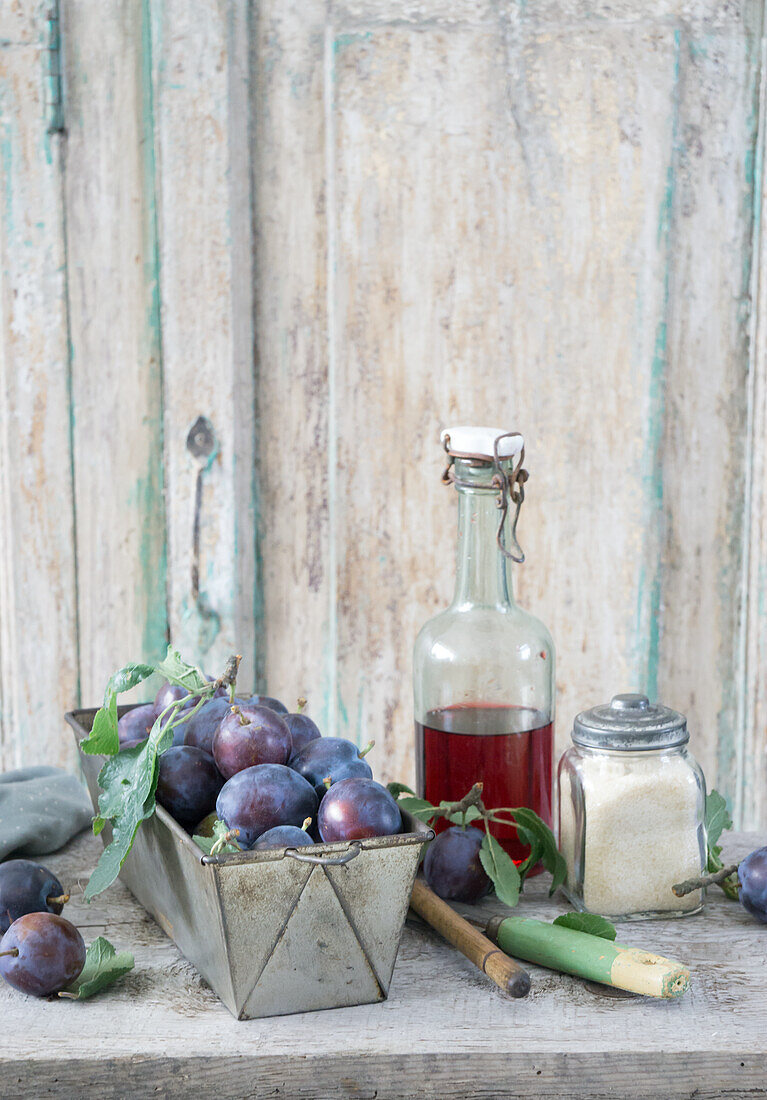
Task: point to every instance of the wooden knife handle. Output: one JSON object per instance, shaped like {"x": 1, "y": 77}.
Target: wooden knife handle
{"x": 507, "y": 974}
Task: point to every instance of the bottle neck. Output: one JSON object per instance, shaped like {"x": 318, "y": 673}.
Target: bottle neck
{"x": 483, "y": 575}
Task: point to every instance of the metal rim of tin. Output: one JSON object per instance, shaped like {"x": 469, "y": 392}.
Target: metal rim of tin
{"x": 630, "y": 723}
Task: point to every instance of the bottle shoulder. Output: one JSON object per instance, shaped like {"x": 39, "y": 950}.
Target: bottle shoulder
{"x": 458, "y": 627}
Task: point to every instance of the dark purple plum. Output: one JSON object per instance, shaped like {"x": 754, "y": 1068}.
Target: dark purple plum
{"x": 452, "y": 867}
{"x": 302, "y": 730}
{"x": 131, "y": 744}
{"x": 28, "y": 887}
{"x": 265, "y": 701}
{"x": 283, "y": 836}
{"x": 355, "y": 809}
{"x": 249, "y": 736}
{"x": 41, "y": 954}
{"x": 752, "y": 874}
{"x": 188, "y": 784}
{"x": 200, "y": 728}
{"x": 136, "y": 724}
{"x": 261, "y": 797}
{"x": 169, "y": 693}
{"x": 331, "y": 758}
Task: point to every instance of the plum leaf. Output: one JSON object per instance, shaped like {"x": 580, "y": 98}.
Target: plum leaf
{"x": 177, "y": 671}
{"x": 591, "y": 923}
{"x": 103, "y": 965}
{"x": 104, "y": 737}
{"x": 500, "y": 867}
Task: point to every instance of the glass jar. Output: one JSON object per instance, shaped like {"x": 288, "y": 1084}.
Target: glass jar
{"x": 483, "y": 668}
{"x": 632, "y": 803}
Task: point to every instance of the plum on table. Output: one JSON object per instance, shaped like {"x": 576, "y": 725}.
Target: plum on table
{"x": 260, "y": 797}
{"x": 752, "y": 875}
{"x": 41, "y": 954}
{"x": 28, "y": 887}
{"x": 358, "y": 808}
{"x": 452, "y": 866}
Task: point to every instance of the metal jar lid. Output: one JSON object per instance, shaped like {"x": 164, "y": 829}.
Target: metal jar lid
{"x": 630, "y": 723}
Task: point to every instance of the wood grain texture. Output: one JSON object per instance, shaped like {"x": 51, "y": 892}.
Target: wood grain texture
{"x": 38, "y": 613}
{"x": 297, "y": 620}
{"x": 702, "y": 362}
{"x": 112, "y": 270}
{"x": 201, "y": 111}
{"x": 752, "y": 788}
{"x": 445, "y": 1031}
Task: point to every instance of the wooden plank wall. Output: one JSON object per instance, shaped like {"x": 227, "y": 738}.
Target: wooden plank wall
{"x": 329, "y": 229}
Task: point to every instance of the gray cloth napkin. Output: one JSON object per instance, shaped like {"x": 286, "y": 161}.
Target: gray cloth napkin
{"x": 40, "y": 809}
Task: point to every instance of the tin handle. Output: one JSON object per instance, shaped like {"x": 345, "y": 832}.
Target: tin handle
{"x": 327, "y": 861}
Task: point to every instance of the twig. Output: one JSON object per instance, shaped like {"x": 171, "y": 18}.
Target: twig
{"x": 690, "y": 884}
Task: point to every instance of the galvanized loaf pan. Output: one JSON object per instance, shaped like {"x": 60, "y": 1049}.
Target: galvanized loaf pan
{"x": 273, "y": 932}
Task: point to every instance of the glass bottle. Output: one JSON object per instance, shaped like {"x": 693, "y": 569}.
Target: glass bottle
{"x": 483, "y": 668}
{"x": 632, "y": 802}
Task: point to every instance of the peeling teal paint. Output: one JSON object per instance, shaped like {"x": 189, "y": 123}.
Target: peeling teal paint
{"x": 343, "y": 718}
{"x": 650, "y": 581}
{"x": 150, "y": 490}
{"x": 147, "y": 497}
{"x": 738, "y": 770}
{"x": 341, "y": 41}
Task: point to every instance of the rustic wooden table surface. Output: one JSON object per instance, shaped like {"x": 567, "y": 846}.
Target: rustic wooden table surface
{"x": 444, "y": 1032}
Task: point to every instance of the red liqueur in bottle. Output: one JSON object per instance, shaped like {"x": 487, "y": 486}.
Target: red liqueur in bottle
{"x": 484, "y": 668}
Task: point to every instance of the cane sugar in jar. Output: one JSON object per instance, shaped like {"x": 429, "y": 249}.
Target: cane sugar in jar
{"x": 631, "y": 811}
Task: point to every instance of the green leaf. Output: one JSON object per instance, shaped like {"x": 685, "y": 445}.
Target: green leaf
{"x": 550, "y": 856}
{"x": 129, "y": 778}
{"x": 587, "y": 922}
{"x": 396, "y": 789}
{"x": 418, "y": 807}
{"x": 532, "y": 840}
{"x": 103, "y": 738}
{"x": 125, "y": 679}
{"x": 219, "y": 832}
{"x": 103, "y": 965}
{"x": 501, "y": 868}
{"x": 717, "y": 817}
{"x": 176, "y": 671}
{"x": 128, "y": 781}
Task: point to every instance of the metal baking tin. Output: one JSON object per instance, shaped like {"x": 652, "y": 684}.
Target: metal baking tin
{"x": 274, "y": 932}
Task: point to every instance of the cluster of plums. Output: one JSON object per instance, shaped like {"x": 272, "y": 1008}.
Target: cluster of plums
{"x": 263, "y": 772}
{"x": 40, "y": 952}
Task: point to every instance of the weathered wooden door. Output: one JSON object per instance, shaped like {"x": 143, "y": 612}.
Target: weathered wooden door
{"x": 329, "y": 229}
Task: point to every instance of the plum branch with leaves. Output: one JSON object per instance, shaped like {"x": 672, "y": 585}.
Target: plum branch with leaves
{"x": 129, "y": 778}
{"x": 507, "y": 877}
